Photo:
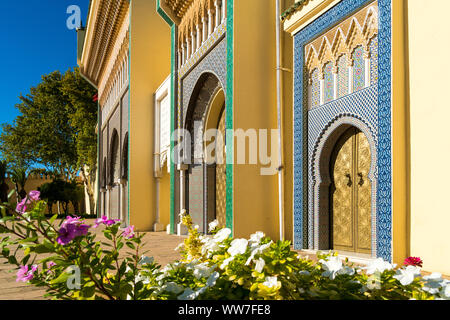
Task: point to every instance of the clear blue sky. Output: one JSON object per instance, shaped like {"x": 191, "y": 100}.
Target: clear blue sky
{"x": 34, "y": 41}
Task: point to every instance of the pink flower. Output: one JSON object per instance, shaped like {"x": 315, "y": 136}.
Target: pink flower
{"x": 34, "y": 195}
{"x": 413, "y": 261}
{"x": 128, "y": 232}
{"x": 104, "y": 220}
{"x": 24, "y": 274}
{"x": 70, "y": 229}
{"x": 22, "y": 206}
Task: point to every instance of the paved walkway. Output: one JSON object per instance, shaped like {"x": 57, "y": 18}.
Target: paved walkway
{"x": 160, "y": 245}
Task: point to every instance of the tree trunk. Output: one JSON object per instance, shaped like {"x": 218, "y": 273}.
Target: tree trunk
{"x": 88, "y": 182}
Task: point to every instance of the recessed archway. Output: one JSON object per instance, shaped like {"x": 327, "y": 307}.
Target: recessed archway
{"x": 322, "y": 180}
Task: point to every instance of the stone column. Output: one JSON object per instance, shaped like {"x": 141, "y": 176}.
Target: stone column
{"x": 335, "y": 82}
{"x": 108, "y": 204}
{"x": 204, "y": 30}
{"x": 322, "y": 89}
{"x": 122, "y": 215}
{"x": 210, "y": 22}
{"x": 103, "y": 201}
{"x": 199, "y": 37}
{"x": 181, "y": 228}
{"x": 193, "y": 42}
{"x": 367, "y": 68}
{"x": 350, "y": 77}
{"x": 224, "y": 10}
{"x": 217, "y": 14}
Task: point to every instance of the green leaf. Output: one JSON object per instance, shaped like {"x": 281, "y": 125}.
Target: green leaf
{"x": 61, "y": 278}
{"x": 130, "y": 245}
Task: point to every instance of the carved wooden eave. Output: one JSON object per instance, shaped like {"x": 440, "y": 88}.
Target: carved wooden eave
{"x": 104, "y": 23}
{"x": 175, "y": 9}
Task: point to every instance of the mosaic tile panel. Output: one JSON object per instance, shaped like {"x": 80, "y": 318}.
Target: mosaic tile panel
{"x": 328, "y": 83}
{"x": 383, "y": 188}
{"x": 315, "y": 89}
{"x": 342, "y": 76}
{"x": 359, "y": 72}
{"x": 374, "y": 61}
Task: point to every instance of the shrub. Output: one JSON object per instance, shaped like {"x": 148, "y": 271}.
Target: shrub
{"x": 214, "y": 267}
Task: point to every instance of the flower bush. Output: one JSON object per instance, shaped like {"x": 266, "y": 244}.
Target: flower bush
{"x": 213, "y": 267}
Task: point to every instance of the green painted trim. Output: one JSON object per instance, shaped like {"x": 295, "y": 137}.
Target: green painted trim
{"x": 229, "y": 115}
{"x": 129, "y": 116}
{"x": 172, "y": 118}
{"x": 163, "y": 14}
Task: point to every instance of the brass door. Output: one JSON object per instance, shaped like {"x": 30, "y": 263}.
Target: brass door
{"x": 351, "y": 193}
{"x": 221, "y": 176}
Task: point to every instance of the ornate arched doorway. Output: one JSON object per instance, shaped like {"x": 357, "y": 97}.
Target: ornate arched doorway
{"x": 206, "y": 177}
{"x": 350, "y": 193}
{"x": 114, "y": 176}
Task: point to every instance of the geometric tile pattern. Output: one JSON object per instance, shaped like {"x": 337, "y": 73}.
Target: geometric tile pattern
{"x": 328, "y": 82}
{"x": 358, "y": 69}
{"x": 374, "y": 61}
{"x": 315, "y": 89}
{"x": 342, "y": 76}
{"x": 378, "y": 118}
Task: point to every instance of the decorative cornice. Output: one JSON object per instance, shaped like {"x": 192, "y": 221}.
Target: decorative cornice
{"x": 105, "y": 20}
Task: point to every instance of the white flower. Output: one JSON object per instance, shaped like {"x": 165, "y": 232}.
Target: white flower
{"x": 271, "y": 282}
{"x": 203, "y": 270}
{"x": 196, "y": 227}
{"x": 256, "y": 238}
{"x": 146, "y": 260}
{"x": 179, "y": 247}
{"x": 374, "y": 282}
{"x": 433, "y": 283}
{"x": 445, "y": 292}
{"x": 213, "y": 225}
{"x": 378, "y": 265}
{"x": 304, "y": 273}
{"x": 144, "y": 279}
{"x": 238, "y": 246}
{"x": 188, "y": 294}
{"x": 406, "y": 276}
{"x": 347, "y": 270}
{"x": 209, "y": 246}
{"x": 332, "y": 267}
{"x": 226, "y": 262}
{"x": 212, "y": 279}
{"x": 260, "y": 263}
{"x": 222, "y": 235}
{"x": 182, "y": 213}
{"x": 173, "y": 287}
{"x": 258, "y": 250}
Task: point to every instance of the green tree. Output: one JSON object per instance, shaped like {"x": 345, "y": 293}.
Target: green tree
{"x": 19, "y": 177}
{"x": 56, "y": 129}
{"x": 82, "y": 113}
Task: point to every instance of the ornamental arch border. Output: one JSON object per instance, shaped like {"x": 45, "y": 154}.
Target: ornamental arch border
{"x": 320, "y": 162}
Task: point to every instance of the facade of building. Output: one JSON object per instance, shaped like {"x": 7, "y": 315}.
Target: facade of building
{"x": 318, "y": 133}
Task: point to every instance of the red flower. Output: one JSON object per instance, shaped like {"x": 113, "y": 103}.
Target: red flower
{"x": 413, "y": 261}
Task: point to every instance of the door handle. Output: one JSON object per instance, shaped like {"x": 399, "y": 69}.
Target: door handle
{"x": 349, "y": 183}
{"x": 361, "y": 179}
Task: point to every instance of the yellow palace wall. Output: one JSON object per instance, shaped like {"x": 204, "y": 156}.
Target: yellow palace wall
{"x": 429, "y": 66}
{"x": 255, "y": 204}
{"x": 149, "y": 66}
{"x": 164, "y": 198}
